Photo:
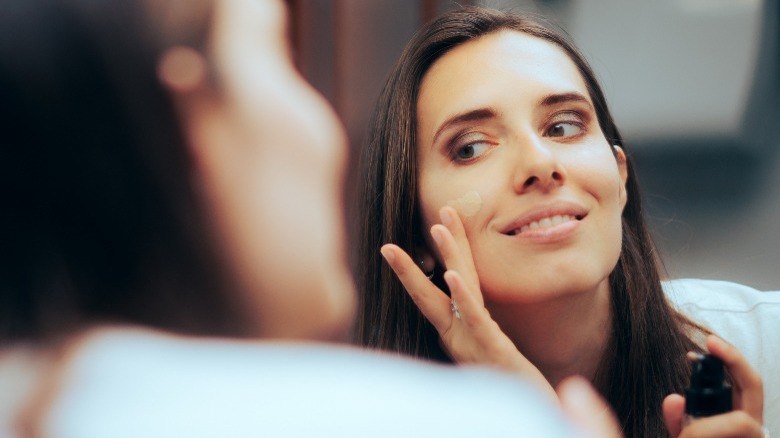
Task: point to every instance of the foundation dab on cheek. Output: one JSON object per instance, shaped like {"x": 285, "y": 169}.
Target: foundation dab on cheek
{"x": 467, "y": 205}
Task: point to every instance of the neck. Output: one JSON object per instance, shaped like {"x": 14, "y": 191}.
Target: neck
{"x": 565, "y": 336}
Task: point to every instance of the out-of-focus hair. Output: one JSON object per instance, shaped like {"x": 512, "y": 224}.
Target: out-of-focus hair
{"x": 102, "y": 219}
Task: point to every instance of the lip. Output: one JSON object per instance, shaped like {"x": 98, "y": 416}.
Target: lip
{"x": 555, "y": 232}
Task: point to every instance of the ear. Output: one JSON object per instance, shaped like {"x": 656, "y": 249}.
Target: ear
{"x": 620, "y": 157}
{"x": 183, "y": 72}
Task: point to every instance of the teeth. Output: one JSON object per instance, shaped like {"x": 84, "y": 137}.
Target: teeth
{"x": 544, "y": 223}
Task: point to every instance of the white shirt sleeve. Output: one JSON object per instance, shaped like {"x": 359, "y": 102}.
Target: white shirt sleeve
{"x": 745, "y": 317}
{"x": 130, "y": 385}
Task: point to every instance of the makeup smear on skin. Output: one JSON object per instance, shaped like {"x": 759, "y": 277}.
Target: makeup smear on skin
{"x": 467, "y": 205}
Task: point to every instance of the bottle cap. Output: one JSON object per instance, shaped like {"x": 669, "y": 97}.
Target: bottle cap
{"x": 708, "y": 393}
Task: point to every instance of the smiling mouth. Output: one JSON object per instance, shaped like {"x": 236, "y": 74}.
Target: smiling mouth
{"x": 546, "y": 222}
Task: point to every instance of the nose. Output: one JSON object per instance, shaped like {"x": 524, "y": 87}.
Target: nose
{"x": 538, "y": 167}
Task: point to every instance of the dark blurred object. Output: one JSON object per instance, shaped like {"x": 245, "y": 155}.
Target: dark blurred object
{"x": 708, "y": 393}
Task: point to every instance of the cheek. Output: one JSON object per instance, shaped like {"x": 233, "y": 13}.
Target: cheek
{"x": 429, "y": 207}
{"x": 602, "y": 182}
{"x": 595, "y": 171}
{"x": 467, "y": 198}
{"x": 432, "y": 195}
{"x": 467, "y": 205}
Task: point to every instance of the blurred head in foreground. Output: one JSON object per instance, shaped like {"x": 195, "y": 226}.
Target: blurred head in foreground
{"x": 163, "y": 164}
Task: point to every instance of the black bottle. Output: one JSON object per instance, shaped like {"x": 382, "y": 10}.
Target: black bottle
{"x": 708, "y": 393}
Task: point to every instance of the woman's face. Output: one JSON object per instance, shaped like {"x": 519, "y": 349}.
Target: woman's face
{"x": 274, "y": 156}
{"x": 507, "y": 134}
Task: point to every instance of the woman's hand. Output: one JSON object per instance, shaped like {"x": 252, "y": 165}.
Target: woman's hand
{"x": 466, "y": 330}
{"x": 748, "y": 399}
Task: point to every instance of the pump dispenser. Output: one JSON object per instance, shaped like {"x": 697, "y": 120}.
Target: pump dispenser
{"x": 708, "y": 393}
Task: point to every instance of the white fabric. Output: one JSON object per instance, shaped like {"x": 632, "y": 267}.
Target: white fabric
{"x": 748, "y": 319}
{"x": 136, "y": 384}
{"x": 132, "y": 383}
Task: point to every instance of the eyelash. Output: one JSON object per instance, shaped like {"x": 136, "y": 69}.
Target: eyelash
{"x": 564, "y": 117}
{"x": 570, "y": 118}
{"x": 456, "y": 147}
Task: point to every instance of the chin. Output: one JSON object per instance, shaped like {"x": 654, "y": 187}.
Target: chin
{"x": 334, "y": 325}
{"x": 329, "y": 325}
{"x": 331, "y": 313}
{"x": 545, "y": 285}
{"x": 318, "y": 306}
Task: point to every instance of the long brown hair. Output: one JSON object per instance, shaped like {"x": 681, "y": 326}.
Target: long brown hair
{"x": 650, "y": 337}
{"x": 104, "y": 219}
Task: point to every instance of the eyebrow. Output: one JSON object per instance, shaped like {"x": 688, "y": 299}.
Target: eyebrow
{"x": 555, "y": 99}
{"x": 488, "y": 113}
{"x": 468, "y": 116}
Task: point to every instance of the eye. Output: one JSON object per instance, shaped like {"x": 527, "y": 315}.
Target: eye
{"x": 470, "y": 151}
{"x": 564, "y": 129}
{"x": 565, "y": 125}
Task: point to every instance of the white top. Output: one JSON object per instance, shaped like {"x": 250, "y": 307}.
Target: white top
{"x": 139, "y": 383}
{"x": 746, "y": 318}
{"x": 144, "y": 384}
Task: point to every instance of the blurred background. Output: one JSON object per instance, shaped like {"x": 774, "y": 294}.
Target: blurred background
{"x": 694, "y": 86}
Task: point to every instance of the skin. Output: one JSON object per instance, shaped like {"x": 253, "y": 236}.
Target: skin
{"x": 545, "y": 158}
{"x": 538, "y": 156}
{"x": 535, "y": 302}
{"x": 586, "y": 409}
{"x": 468, "y": 204}
{"x": 271, "y": 157}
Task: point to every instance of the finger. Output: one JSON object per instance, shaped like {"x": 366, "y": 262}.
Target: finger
{"x": 731, "y": 424}
{"x": 432, "y": 302}
{"x": 470, "y": 310}
{"x": 748, "y": 387}
{"x": 586, "y": 409}
{"x": 454, "y": 246}
{"x": 673, "y": 409}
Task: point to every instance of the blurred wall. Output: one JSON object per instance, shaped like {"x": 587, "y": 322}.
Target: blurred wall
{"x": 693, "y": 84}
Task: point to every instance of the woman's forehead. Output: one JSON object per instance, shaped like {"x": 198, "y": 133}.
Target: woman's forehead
{"x": 500, "y": 64}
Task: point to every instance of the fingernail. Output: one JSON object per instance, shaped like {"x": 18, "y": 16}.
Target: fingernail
{"x": 694, "y": 355}
{"x": 720, "y": 340}
{"x": 445, "y": 217}
{"x": 436, "y": 234}
{"x": 577, "y": 393}
{"x": 387, "y": 254}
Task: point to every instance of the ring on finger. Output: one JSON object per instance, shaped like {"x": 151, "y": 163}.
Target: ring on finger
{"x": 454, "y": 308}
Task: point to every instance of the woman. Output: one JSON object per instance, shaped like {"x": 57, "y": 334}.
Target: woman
{"x": 171, "y": 192}
{"x": 493, "y": 134}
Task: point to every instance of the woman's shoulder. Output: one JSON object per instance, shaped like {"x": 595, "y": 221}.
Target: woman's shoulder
{"x": 740, "y": 314}
{"x": 745, "y": 317}
{"x": 715, "y": 295}
{"x": 138, "y": 383}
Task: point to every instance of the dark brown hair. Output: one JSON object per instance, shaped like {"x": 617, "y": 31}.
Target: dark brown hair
{"x": 650, "y": 338}
{"x": 103, "y": 219}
